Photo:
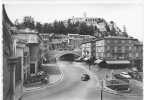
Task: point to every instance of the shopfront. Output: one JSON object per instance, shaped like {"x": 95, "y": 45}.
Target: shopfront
{"x": 118, "y": 64}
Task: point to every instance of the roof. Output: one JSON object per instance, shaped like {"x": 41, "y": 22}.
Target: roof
{"x": 117, "y": 37}
{"x": 138, "y": 43}
{"x": 26, "y": 31}
{"x": 5, "y": 16}
{"x": 88, "y": 41}
{"x": 118, "y": 62}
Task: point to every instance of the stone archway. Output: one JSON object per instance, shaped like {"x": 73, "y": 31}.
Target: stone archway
{"x": 68, "y": 57}
{"x": 55, "y": 55}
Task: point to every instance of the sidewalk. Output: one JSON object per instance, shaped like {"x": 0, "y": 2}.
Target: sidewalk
{"x": 52, "y": 81}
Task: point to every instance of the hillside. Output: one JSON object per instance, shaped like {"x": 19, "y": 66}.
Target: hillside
{"x": 98, "y": 27}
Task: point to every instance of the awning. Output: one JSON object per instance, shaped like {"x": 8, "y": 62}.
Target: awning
{"x": 118, "y": 62}
{"x": 100, "y": 62}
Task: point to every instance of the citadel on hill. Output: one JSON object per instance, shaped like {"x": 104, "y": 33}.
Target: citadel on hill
{"x": 94, "y": 26}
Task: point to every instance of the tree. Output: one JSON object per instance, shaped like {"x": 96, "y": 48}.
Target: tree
{"x": 91, "y": 30}
{"x": 38, "y": 27}
{"x": 83, "y": 28}
{"x": 73, "y": 28}
{"x": 47, "y": 28}
{"x": 29, "y": 22}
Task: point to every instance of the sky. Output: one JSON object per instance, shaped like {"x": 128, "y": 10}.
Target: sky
{"x": 130, "y": 15}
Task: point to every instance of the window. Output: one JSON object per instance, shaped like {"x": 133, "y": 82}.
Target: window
{"x": 130, "y": 41}
{"x": 115, "y": 49}
{"x": 115, "y": 41}
{"x": 119, "y": 41}
{"x": 123, "y": 49}
{"x": 119, "y": 47}
{"x": 108, "y": 41}
{"x": 130, "y": 47}
{"x": 32, "y": 68}
{"x": 108, "y": 54}
{"x": 123, "y": 41}
{"x": 137, "y": 55}
{"x": 25, "y": 58}
{"x": 130, "y": 55}
{"x": 18, "y": 72}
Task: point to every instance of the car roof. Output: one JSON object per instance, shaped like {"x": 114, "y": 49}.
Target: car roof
{"x": 124, "y": 73}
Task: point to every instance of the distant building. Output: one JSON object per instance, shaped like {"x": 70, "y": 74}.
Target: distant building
{"x": 116, "y": 48}
{"x": 88, "y": 49}
{"x": 75, "y": 40}
{"x": 45, "y": 36}
{"x": 45, "y": 45}
{"x": 58, "y": 42}
{"x": 137, "y": 57}
{"x": 53, "y": 41}
{"x": 99, "y": 24}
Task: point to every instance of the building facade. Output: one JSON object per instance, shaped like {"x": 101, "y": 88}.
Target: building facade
{"x": 21, "y": 49}
{"x": 75, "y": 40}
{"x": 31, "y": 51}
{"x": 116, "y": 48}
{"x": 12, "y": 69}
{"x": 137, "y": 58}
{"x": 88, "y": 49}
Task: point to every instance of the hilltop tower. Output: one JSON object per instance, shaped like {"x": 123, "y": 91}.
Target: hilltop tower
{"x": 85, "y": 14}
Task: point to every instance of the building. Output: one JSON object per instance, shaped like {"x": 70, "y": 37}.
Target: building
{"x": 116, "y": 49}
{"x": 33, "y": 41}
{"x": 12, "y": 73}
{"x": 45, "y": 36}
{"x": 21, "y": 49}
{"x": 45, "y": 45}
{"x": 88, "y": 49}
{"x": 75, "y": 40}
{"x": 53, "y": 41}
{"x": 137, "y": 57}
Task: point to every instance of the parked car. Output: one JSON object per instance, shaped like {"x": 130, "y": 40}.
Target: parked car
{"x": 85, "y": 77}
{"x": 118, "y": 85}
{"x": 79, "y": 59}
{"x": 123, "y": 77}
{"x": 136, "y": 75}
{"x": 45, "y": 80}
{"x": 40, "y": 73}
{"x": 86, "y": 59}
{"x": 125, "y": 74}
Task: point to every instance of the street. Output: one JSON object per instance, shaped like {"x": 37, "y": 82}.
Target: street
{"x": 72, "y": 88}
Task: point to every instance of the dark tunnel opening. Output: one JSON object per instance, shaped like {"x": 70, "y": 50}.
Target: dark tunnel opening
{"x": 68, "y": 57}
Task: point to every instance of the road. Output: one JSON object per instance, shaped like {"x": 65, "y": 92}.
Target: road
{"x": 72, "y": 88}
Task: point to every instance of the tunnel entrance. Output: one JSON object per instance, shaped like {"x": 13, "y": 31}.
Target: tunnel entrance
{"x": 68, "y": 57}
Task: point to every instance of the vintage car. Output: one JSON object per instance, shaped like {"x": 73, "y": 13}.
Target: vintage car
{"x": 118, "y": 85}
{"x": 85, "y": 77}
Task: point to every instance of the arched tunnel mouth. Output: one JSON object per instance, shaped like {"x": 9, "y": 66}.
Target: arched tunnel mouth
{"x": 68, "y": 57}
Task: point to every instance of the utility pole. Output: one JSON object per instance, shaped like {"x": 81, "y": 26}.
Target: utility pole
{"x": 102, "y": 90}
